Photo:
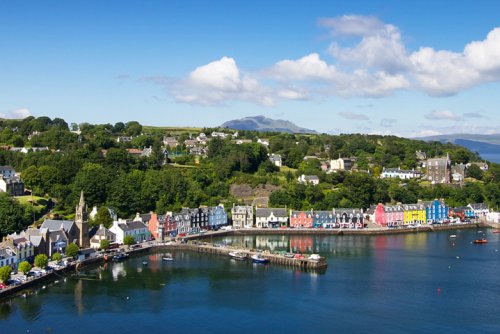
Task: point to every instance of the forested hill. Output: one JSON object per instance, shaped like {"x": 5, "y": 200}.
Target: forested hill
{"x": 133, "y": 169}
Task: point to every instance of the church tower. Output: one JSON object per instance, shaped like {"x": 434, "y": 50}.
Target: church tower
{"x": 81, "y": 221}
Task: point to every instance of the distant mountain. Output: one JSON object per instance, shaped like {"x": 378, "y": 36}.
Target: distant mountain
{"x": 488, "y": 146}
{"x": 264, "y": 124}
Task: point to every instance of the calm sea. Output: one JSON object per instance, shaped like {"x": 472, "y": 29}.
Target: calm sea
{"x": 414, "y": 283}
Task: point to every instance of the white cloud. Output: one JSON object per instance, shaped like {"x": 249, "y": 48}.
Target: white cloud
{"x": 217, "y": 82}
{"x": 380, "y": 46}
{"x": 309, "y": 67}
{"x": 442, "y": 115}
{"x": 16, "y": 113}
{"x": 369, "y": 60}
{"x": 352, "y": 25}
{"x": 447, "y": 73}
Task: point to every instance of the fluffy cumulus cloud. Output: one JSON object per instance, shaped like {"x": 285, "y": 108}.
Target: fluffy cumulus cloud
{"x": 444, "y": 72}
{"x": 16, "y": 113}
{"x": 368, "y": 59}
{"x": 442, "y": 115}
{"x": 218, "y": 82}
{"x": 380, "y": 44}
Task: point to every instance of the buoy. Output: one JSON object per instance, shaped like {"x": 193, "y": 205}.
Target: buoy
{"x": 439, "y": 290}
{"x": 128, "y": 297}
{"x": 458, "y": 257}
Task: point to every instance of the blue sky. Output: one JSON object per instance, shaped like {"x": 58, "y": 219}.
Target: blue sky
{"x": 408, "y": 68}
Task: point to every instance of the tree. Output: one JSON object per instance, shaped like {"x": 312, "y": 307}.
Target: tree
{"x": 24, "y": 267}
{"x": 133, "y": 128}
{"x": 128, "y": 240}
{"x": 41, "y": 260}
{"x": 104, "y": 244}
{"x": 103, "y": 218}
{"x": 5, "y": 273}
{"x": 57, "y": 257}
{"x": 12, "y": 217}
{"x": 474, "y": 171}
{"x": 72, "y": 250}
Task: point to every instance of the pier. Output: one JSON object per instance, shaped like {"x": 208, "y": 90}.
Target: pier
{"x": 299, "y": 263}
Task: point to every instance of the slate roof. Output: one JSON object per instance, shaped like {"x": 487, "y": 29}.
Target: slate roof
{"x": 130, "y": 226}
{"x": 56, "y": 225}
{"x": 266, "y": 212}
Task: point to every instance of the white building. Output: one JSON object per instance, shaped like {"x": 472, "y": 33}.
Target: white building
{"x": 271, "y": 217}
{"x": 276, "y": 159}
{"x": 8, "y": 257}
{"x": 392, "y": 173}
{"x": 102, "y": 234}
{"x": 136, "y": 229}
{"x": 308, "y": 179}
{"x": 340, "y": 164}
{"x": 242, "y": 216}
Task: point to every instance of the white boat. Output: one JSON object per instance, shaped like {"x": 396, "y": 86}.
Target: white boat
{"x": 453, "y": 236}
{"x": 168, "y": 257}
{"x": 238, "y": 256}
{"x": 258, "y": 258}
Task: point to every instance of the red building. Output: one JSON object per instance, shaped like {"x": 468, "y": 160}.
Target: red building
{"x": 301, "y": 219}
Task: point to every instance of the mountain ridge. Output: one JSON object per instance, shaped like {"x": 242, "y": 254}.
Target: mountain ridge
{"x": 263, "y": 124}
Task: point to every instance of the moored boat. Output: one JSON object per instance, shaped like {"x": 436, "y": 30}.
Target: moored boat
{"x": 238, "y": 256}
{"x": 480, "y": 241}
{"x": 168, "y": 257}
{"x": 120, "y": 257}
{"x": 258, "y": 258}
{"x": 453, "y": 236}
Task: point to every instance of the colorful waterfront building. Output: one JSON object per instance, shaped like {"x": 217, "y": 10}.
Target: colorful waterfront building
{"x": 414, "y": 214}
{"x": 349, "y": 218}
{"x": 380, "y": 215}
{"x": 324, "y": 219}
{"x": 436, "y": 212}
{"x": 217, "y": 216}
{"x": 394, "y": 215}
{"x": 300, "y": 219}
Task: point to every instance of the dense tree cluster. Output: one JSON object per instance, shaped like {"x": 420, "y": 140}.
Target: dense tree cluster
{"x": 90, "y": 158}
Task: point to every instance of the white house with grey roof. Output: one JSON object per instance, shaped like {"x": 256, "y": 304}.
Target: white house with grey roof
{"x": 135, "y": 228}
{"x": 102, "y": 234}
{"x": 271, "y": 217}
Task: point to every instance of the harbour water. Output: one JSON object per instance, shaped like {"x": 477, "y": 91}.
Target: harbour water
{"x": 412, "y": 283}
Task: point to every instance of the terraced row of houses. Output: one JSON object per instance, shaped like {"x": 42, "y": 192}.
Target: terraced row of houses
{"x": 423, "y": 213}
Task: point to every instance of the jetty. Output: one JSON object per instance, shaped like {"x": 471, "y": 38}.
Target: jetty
{"x": 303, "y": 263}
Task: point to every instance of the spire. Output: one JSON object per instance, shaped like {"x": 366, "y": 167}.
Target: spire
{"x": 82, "y": 200}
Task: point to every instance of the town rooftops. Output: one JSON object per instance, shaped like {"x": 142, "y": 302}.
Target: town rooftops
{"x": 57, "y": 225}
{"x": 266, "y": 212}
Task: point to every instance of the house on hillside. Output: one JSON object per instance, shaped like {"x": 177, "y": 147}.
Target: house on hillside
{"x": 340, "y": 164}
{"x": 170, "y": 141}
{"x": 308, "y": 179}
{"x": 392, "y": 173}
{"x": 276, "y": 159}
{"x": 439, "y": 170}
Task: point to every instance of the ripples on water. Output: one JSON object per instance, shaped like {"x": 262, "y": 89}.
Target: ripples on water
{"x": 414, "y": 283}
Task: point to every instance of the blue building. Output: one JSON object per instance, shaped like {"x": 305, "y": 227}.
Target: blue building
{"x": 217, "y": 216}
{"x": 324, "y": 219}
{"x": 436, "y": 212}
